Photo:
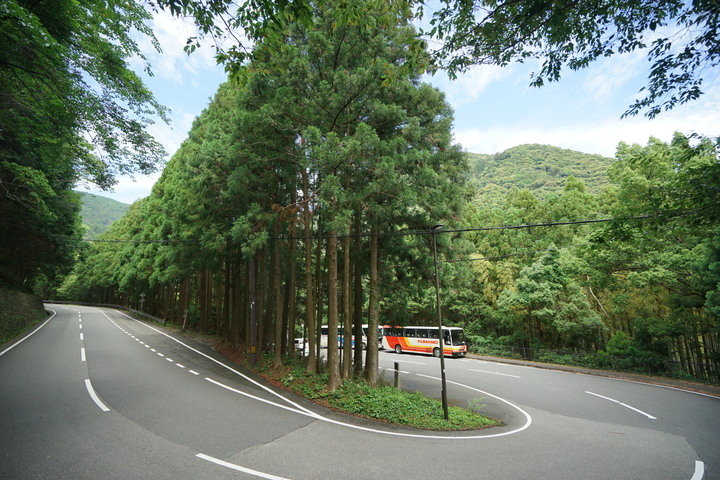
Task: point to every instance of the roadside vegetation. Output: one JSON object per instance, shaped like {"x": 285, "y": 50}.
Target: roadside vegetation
{"x": 382, "y": 402}
{"x": 18, "y": 312}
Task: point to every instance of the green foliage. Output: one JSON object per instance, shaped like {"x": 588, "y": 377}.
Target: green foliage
{"x": 574, "y": 35}
{"x": 18, "y": 311}
{"x": 98, "y": 213}
{"x": 542, "y": 169}
{"x": 403, "y": 408}
{"x": 64, "y": 80}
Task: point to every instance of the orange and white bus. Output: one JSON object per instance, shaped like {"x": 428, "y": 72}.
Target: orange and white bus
{"x": 424, "y": 340}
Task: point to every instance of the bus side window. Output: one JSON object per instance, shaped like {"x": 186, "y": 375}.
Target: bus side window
{"x": 433, "y": 333}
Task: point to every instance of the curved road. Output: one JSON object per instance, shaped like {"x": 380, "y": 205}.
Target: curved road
{"x": 94, "y": 393}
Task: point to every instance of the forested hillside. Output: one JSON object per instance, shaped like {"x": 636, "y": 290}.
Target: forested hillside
{"x": 98, "y": 213}
{"x": 539, "y": 168}
{"x": 306, "y": 192}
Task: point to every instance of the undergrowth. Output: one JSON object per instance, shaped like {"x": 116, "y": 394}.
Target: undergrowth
{"x": 384, "y": 403}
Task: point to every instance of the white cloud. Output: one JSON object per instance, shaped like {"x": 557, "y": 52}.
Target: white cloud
{"x": 600, "y": 137}
{"x": 468, "y": 87}
{"x": 608, "y": 76}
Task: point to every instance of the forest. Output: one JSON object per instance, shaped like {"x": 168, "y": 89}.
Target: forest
{"x": 98, "y": 213}
{"x": 305, "y": 195}
{"x": 307, "y": 192}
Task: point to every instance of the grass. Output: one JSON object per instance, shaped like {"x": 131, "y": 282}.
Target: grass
{"x": 383, "y": 403}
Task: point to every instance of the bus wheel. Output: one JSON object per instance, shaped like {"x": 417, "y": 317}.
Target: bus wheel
{"x": 436, "y": 352}
{"x": 398, "y": 348}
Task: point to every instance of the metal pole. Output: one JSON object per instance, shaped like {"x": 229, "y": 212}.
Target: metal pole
{"x": 253, "y": 312}
{"x": 435, "y": 229}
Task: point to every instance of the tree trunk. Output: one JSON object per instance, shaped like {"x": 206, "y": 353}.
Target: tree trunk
{"x": 292, "y": 294}
{"x": 309, "y": 303}
{"x": 277, "y": 289}
{"x": 371, "y": 360}
{"x": 332, "y": 350}
{"x": 347, "y": 321}
{"x": 358, "y": 300}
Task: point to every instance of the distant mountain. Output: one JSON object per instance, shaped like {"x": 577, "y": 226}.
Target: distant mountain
{"x": 540, "y": 168}
{"x": 99, "y": 212}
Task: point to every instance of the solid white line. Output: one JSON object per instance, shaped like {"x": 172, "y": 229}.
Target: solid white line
{"x": 699, "y": 470}
{"x": 623, "y": 404}
{"x": 82, "y": 354}
{"x": 279, "y": 405}
{"x": 304, "y": 411}
{"x": 94, "y": 396}
{"x": 494, "y": 373}
{"x": 238, "y": 468}
{"x": 296, "y": 405}
{"x": 28, "y": 335}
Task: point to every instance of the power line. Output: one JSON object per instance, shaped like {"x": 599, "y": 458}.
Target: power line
{"x": 405, "y": 233}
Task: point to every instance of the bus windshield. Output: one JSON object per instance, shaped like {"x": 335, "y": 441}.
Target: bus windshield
{"x": 457, "y": 337}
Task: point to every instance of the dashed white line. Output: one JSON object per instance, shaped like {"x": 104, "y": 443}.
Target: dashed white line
{"x": 623, "y": 404}
{"x": 494, "y": 373}
{"x": 82, "y": 354}
{"x": 699, "y": 470}
{"x": 82, "y": 337}
{"x": 94, "y": 396}
{"x": 160, "y": 354}
{"x": 238, "y": 468}
{"x": 193, "y": 372}
{"x": 181, "y": 366}
{"x": 169, "y": 359}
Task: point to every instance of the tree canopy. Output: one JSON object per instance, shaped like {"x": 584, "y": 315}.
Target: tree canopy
{"x": 70, "y": 110}
{"x": 679, "y": 38}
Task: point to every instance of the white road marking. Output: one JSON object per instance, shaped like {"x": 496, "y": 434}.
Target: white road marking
{"x": 169, "y": 359}
{"x": 393, "y": 370}
{"x": 623, "y": 404}
{"x": 82, "y": 337}
{"x": 238, "y": 468}
{"x": 82, "y": 354}
{"x": 179, "y": 365}
{"x": 494, "y": 373}
{"x": 94, "y": 396}
{"x": 304, "y": 411}
{"x": 160, "y": 354}
{"x": 699, "y": 470}
{"x": 193, "y": 372}
{"x": 28, "y": 335}
{"x": 410, "y": 361}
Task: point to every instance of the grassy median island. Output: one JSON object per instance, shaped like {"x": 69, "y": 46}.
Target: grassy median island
{"x": 384, "y": 403}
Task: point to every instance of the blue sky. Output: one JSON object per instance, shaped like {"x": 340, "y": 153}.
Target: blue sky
{"x": 495, "y": 108}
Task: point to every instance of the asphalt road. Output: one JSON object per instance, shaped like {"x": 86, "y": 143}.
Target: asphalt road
{"x": 96, "y": 394}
